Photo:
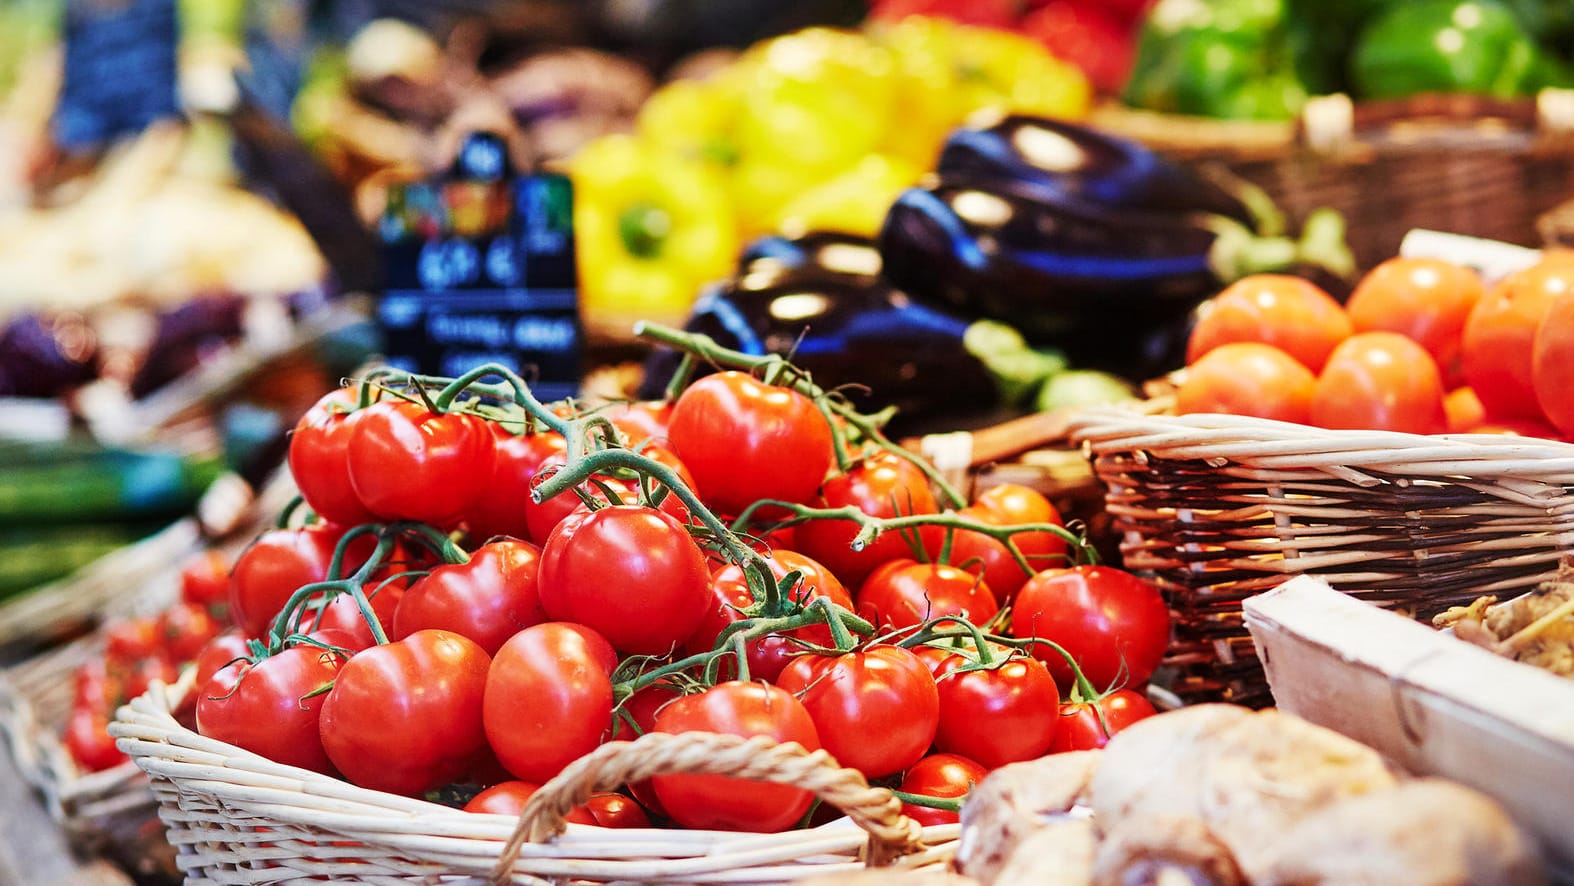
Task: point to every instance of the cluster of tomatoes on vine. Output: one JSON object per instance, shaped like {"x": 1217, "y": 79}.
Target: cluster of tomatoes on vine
{"x": 490, "y": 587}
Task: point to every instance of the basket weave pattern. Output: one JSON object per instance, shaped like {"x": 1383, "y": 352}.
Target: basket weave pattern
{"x": 235, "y": 817}
{"x": 1218, "y": 508}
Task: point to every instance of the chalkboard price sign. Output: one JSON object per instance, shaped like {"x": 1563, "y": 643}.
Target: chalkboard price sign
{"x": 480, "y": 268}
{"x": 120, "y": 70}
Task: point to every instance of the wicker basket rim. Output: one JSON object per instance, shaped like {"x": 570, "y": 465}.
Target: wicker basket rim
{"x": 147, "y": 731}
{"x": 1105, "y": 428}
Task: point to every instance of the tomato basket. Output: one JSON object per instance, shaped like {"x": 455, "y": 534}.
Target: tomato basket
{"x": 110, "y": 812}
{"x": 1218, "y": 508}
{"x": 236, "y": 817}
{"x": 1485, "y": 167}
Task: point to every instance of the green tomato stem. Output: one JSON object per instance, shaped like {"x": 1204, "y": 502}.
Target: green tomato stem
{"x": 964, "y": 629}
{"x": 951, "y": 804}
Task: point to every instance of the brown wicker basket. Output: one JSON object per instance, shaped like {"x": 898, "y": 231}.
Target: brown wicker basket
{"x": 235, "y": 818}
{"x": 1469, "y": 164}
{"x": 1218, "y": 508}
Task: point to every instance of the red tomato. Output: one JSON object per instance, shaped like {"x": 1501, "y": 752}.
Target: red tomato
{"x": 903, "y": 593}
{"x": 601, "y": 810}
{"x": 633, "y": 574}
{"x": 1115, "y": 625}
{"x": 1080, "y": 728}
{"x": 88, "y": 741}
{"x": 939, "y": 775}
{"x": 406, "y": 717}
{"x": 1424, "y": 299}
{"x": 221, "y": 651}
{"x": 1008, "y": 504}
{"x": 132, "y": 640}
{"x": 1552, "y": 365}
{"x": 641, "y": 420}
{"x": 205, "y": 581}
{"x": 875, "y": 710}
{"x": 1500, "y": 338}
{"x": 273, "y": 568}
{"x": 745, "y": 440}
{"x": 272, "y": 708}
{"x": 93, "y": 689}
{"x": 1247, "y": 378}
{"x": 139, "y": 676}
{"x": 543, "y": 517}
{"x": 730, "y": 596}
{"x": 409, "y": 463}
{"x": 1462, "y": 410}
{"x": 999, "y": 715}
{"x": 549, "y": 698}
{"x": 500, "y": 509}
{"x": 882, "y": 485}
{"x": 1292, "y": 314}
{"x": 342, "y": 615}
{"x": 490, "y": 598}
{"x": 1382, "y": 381}
{"x": 185, "y": 629}
{"x": 1517, "y": 427}
{"x": 318, "y": 459}
{"x": 719, "y": 802}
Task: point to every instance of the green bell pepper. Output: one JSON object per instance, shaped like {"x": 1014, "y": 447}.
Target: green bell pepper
{"x": 1451, "y": 46}
{"x": 1218, "y": 58}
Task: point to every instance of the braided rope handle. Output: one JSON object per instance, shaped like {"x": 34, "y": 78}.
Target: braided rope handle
{"x": 876, "y": 810}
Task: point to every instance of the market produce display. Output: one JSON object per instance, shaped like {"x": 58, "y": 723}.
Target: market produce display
{"x": 753, "y": 558}
{"x": 1422, "y": 347}
{"x": 1262, "y": 60}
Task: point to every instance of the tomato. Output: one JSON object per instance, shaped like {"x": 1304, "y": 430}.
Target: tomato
{"x": 1247, "y": 378}
{"x": 139, "y": 676}
{"x": 876, "y": 710}
{"x": 940, "y": 775}
{"x": 205, "y": 581}
{"x": 641, "y": 420}
{"x": 318, "y": 459}
{"x": 1007, "y": 504}
{"x": 1115, "y": 625}
{"x": 93, "y": 688}
{"x": 635, "y": 716}
{"x": 601, "y": 810}
{"x": 1080, "y": 728}
{"x": 1500, "y": 338}
{"x": 903, "y": 593}
{"x": 343, "y": 616}
{"x": 88, "y": 741}
{"x": 272, "y": 708}
{"x": 490, "y": 598}
{"x": 1552, "y": 364}
{"x": 1382, "y": 381}
{"x": 548, "y": 698}
{"x": 997, "y": 715}
{"x": 221, "y": 651}
{"x": 543, "y": 517}
{"x": 883, "y": 485}
{"x": 1424, "y": 299}
{"x": 1517, "y": 427}
{"x": 1462, "y": 410}
{"x": 409, "y": 463}
{"x": 273, "y": 568}
{"x": 745, "y": 440}
{"x": 500, "y": 509}
{"x": 185, "y": 628}
{"x": 719, "y": 802}
{"x": 1292, "y": 314}
{"x": 406, "y": 717}
{"x": 730, "y": 596}
{"x": 633, "y": 574}
{"x": 132, "y": 640}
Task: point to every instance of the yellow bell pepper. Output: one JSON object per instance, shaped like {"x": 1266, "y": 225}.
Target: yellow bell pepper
{"x": 652, "y": 230}
{"x": 854, "y": 202}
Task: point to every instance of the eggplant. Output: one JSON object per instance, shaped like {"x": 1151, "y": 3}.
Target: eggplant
{"x": 1114, "y": 288}
{"x": 851, "y": 329}
{"x": 1042, "y": 158}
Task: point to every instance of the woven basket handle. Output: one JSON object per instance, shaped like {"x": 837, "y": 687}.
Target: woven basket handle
{"x": 614, "y": 764}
